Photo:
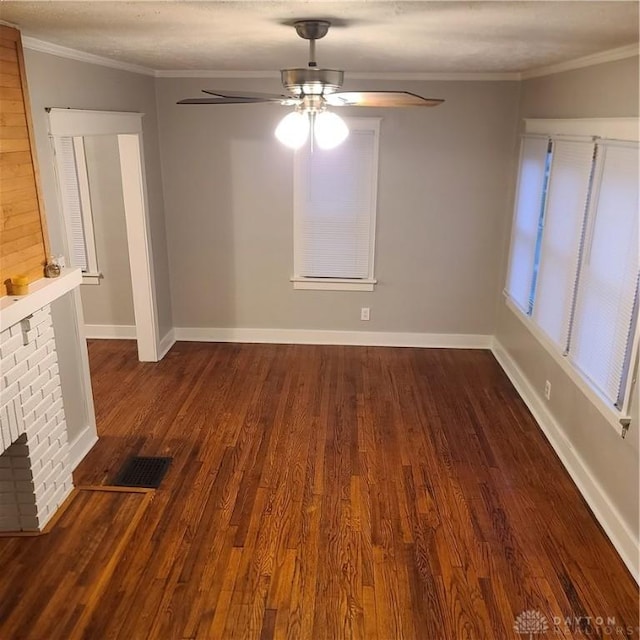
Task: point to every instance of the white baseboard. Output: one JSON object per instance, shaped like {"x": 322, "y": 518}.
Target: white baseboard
{"x": 81, "y": 445}
{"x": 126, "y": 332}
{"x": 355, "y": 338}
{"x": 110, "y": 331}
{"x": 166, "y": 343}
{"x": 622, "y": 538}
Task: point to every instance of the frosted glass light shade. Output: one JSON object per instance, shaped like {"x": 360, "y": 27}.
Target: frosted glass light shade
{"x": 293, "y": 130}
{"x": 329, "y": 130}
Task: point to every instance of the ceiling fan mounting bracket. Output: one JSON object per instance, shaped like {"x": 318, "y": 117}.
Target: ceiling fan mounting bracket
{"x": 312, "y": 29}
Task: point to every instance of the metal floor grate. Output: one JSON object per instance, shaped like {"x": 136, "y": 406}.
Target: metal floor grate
{"x": 143, "y": 472}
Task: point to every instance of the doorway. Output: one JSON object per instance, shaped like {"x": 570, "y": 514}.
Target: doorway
{"x": 72, "y": 132}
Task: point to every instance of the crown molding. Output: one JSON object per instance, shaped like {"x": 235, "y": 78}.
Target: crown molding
{"x": 210, "y": 73}
{"x": 472, "y": 76}
{"x": 353, "y": 75}
{"x": 73, "y": 54}
{"x": 611, "y": 55}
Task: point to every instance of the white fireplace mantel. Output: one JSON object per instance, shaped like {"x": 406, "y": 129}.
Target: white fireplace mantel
{"x": 42, "y": 292}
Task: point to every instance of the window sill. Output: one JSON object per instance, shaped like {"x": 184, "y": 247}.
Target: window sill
{"x": 334, "y": 284}
{"x": 91, "y": 278}
{"x": 613, "y": 417}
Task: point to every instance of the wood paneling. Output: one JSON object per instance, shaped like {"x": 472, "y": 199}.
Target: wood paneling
{"x": 23, "y": 250}
{"x": 319, "y": 493}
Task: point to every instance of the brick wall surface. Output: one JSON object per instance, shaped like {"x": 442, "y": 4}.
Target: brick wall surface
{"x": 35, "y": 475}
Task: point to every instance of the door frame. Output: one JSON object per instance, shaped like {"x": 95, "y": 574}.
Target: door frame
{"x": 127, "y": 127}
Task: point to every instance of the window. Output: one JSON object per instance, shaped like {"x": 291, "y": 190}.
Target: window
{"x": 535, "y": 157}
{"x": 574, "y": 262}
{"x": 335, "y": 210}
{"x": 563, "y": 218}
{"x": 606, "y": 300}
{"x": 73, "y": 180}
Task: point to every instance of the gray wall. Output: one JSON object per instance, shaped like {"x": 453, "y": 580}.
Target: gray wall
{"x": 445, "y": 195}
{"x": 602, "y": 91}
{"x": 110, "y": 300}
{"x": 442, "y": 206}
{"x": 607, "y": 90}
{"x": 59, "y": 82}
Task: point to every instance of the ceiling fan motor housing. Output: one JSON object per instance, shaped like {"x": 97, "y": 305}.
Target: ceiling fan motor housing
{"x": 312, "y": 81}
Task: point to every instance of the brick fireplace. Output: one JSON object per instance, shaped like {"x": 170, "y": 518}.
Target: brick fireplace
{"x": 35, "y": 473}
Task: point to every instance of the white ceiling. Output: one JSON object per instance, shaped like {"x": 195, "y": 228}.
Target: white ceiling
{"x": 367, "y": 36}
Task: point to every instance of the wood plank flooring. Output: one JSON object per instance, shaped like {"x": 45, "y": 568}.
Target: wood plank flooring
{"x": 319, "y": 493}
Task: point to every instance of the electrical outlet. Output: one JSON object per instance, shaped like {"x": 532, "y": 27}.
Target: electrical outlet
{"x": 364, "y": 313}
{"x": 547, "y": 390}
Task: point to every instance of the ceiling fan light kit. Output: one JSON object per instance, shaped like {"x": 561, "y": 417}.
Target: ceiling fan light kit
{"x": 329, "y": 130}
{"x": 293, "y": 130}
{"x": 310, "y": 91}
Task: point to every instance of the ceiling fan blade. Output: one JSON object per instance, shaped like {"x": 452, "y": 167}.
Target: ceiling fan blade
{"x": 222, "y": 93}
{"x": 380, "y": 99}
{"x": 216, "y": 100}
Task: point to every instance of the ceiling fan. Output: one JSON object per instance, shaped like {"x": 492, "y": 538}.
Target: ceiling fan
{"x": 311, "y": 90}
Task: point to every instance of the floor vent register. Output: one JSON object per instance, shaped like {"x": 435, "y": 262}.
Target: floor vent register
{"x": 143, "y": 472}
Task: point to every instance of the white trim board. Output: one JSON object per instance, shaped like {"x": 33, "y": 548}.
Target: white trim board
{"x": 608, "y": 412}
{"x": 93, "y": 122}
{"x": 42, "y": 292}
{"x": 614, "y": 526}
{"x": 110, "y": 331}
{"x": 608, "y": 128}
{"x": 81, "y": 445}
{"x": 166, "y": 343}
{"x": 34, "y": 44}
{"x": 136, "y": 217}
{"x": 355, "y": 338}
{"x": 611, "y": 55}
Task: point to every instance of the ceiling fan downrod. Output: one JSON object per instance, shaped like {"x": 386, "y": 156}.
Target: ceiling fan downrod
{"x": 312, "y": 30}
{"x": 312, "y": 54}
{"x": 311, "y": 81}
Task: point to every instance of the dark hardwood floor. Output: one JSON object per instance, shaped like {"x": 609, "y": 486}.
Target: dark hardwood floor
{"x": 317, "y": 493}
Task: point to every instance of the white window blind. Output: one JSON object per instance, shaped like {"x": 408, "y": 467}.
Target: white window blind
{"x": 335, "y": 201}
{"x": 527, "y": 215}
{"x": 564, "y": 218}
{"x": 608, "y": 284}
{"x": 76, "y": 204}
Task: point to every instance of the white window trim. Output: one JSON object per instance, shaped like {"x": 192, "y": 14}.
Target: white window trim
{"x": 346, "y": 284}
{"x": 613, "y": 417}
{"x": 91, "y": 278}
{"x": 335, "y": 284}
{"x": 624, "y": 129}
{"x": 610, "y": 128}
